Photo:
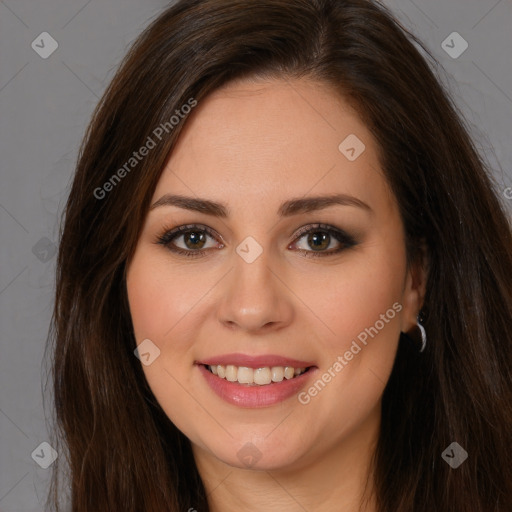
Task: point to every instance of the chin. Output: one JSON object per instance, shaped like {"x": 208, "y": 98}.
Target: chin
{"x": 259, "y": 456}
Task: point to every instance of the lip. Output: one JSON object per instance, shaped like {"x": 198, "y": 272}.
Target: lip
{"x": 245, "y": 396}
{"x": 255, "y": 361}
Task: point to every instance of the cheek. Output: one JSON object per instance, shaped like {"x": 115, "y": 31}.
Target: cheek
{"x": 158, "y": 302}
{"x": 360, "y": 321}
{"x": 346, "y": 302}
{"x": 360, "y": 312}
{"x": 158, "y": 296}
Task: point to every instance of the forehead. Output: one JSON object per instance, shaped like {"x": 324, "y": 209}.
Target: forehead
{"x": 266, "y": 141}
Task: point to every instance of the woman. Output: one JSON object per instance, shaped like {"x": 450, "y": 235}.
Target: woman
{"x": 284, "y": 277}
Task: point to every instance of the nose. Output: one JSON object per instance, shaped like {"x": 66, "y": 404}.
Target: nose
{"x": 255, "y": 296}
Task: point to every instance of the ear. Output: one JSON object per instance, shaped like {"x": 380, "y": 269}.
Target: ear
{"x": 415, "y": 288}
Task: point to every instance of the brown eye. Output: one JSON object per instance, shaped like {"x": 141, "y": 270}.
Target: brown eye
{"x": 194, "y": 240}
{"x": 319, "y": 240}
{"x": 320, "y": 237}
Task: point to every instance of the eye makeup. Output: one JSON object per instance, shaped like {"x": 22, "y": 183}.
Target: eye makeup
{"x": 315, "y": 232}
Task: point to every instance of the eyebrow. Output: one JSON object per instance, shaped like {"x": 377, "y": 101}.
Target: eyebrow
{"x": 287, "y": 209}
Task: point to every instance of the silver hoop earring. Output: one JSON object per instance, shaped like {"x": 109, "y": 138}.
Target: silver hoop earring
{"x": 423, "y": 335}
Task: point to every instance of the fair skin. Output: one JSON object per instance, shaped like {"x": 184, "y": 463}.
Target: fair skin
{"x": 253, "y": 145}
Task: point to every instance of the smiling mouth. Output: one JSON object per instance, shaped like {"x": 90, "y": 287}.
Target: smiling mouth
{"x": 255, "y": 377}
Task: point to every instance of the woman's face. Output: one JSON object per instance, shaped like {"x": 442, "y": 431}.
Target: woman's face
{"x": 264, "y": 287}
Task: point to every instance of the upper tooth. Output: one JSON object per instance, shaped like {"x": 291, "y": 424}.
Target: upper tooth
{"x": 259, "y": 376}
{"x": 246, "y": 375}
{"x": 277, "y": 373}
{"x": 231, "y": 373}
{"x": 262, "y": 376}
{"x": 288, "y": 372}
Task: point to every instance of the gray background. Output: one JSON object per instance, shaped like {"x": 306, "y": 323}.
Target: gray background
{"x": 45, "y": 105}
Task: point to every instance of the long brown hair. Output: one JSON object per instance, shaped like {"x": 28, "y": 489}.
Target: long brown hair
{"x": 120, "y": 449}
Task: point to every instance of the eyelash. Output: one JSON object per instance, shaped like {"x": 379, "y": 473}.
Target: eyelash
{"x": 170, "y": 235}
